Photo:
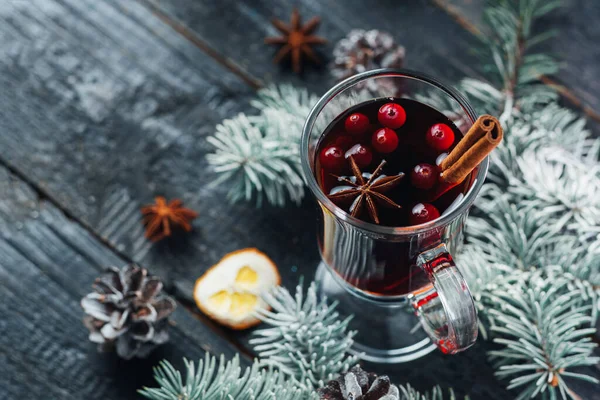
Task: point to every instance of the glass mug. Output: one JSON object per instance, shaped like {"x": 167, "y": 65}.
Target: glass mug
{"x": 395, "y": 280}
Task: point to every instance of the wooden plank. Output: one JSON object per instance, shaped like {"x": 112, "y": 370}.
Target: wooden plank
{"x": 47, "y": 264}
{"x": 576, "y": 45}
{"x": 237, "y": 30}
{"x": 103, "y": 162}
{"x": 115, "y": 184}
{"x": 102, "y": 130}
{"x": 139, "y": 134}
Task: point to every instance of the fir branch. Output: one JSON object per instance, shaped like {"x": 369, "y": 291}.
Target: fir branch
{"x": 307, "y": 340}
{"x": 550, "y": 129}
{"x": 483, "y": 275}
{"x": 259, "y": 158}
{"x": 578, "y": 262}
{"x": 538, "y": 296}
{"x": 221, "y": 381}
{"x": 509, "y": 43}
{"x": 543, "y": 327}
{"x": 559, "y": 187}
{"x": 286, "y": 98}
{"x": 510, "y": 234}
{"x": 566, "y": 130}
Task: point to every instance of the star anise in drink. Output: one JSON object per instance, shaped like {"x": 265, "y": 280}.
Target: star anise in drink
{"x": 366, "y": 192}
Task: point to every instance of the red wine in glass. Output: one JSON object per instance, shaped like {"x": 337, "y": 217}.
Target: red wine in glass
{"x": 412, "y": 138}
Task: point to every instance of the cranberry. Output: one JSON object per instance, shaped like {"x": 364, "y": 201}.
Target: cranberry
{"x": 440, "y": 137}
{"x": 384, "y": 140}
{"x": 423, "y": 176}
{"x": 357, "y": 124}
{"x": 423, "y": 212}
{"x": 332, "y": 158}
{"x": 345, "y": 142}
{"x": 391, "y": 115}
{"x": 362, "y": 155}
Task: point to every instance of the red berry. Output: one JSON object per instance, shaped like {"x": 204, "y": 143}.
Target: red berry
{"x": 423, "y": 176}
{"x": 361, "y": 154}
{"x": 423, "y": 212}
{"x": 345, "y": 142}
{"x": 384, "y": 140}
{"x": 391, "y": 115}
{"x": 440, "y": 137}
{"x": 332, "y": 158}
{"x": 357, "y": 124}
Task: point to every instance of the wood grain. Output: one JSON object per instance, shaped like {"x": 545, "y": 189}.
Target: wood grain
{"x": 102, "y": 133}
{"x": 106, "y": 105}
{"x": 444, "y": 56}
{"x": 47, "y": 264}
{"x": 576, "y": 45}
{"x": 116, "y": 134}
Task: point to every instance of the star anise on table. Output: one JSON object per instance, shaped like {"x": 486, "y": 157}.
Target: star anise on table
{"x": 367, "y": 193}
{"x": 160, "y": 217}
{"x": 297, "y": 40}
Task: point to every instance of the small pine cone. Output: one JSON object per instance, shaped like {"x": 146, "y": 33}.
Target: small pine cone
{"x": 128, "y": 312}
{"x": 366, "y": 50}
{"x": 357, "y": 384}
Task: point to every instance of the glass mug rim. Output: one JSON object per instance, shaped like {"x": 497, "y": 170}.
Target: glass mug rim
{"x": 369, "y": 227}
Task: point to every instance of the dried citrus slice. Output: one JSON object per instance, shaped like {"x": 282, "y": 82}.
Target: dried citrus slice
{"x": 230, "y": 291}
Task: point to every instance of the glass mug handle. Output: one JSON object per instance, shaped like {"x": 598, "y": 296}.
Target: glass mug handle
{"x": 445, "y": 308}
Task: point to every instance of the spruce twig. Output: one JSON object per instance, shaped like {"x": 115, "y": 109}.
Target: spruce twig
{"x": 212, "y": 380}
{"x": 258, "y": 157}
{"x": 307, "y": 339}
{"x": 535, "y": 234}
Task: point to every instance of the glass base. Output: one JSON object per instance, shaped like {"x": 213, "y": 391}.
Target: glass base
{"x": 387, "y": 333}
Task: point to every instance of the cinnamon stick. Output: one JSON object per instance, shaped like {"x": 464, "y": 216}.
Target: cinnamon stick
{"x": 485, "y": 134}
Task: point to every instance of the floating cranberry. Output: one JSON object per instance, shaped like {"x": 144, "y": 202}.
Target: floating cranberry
{"x": 384, "y": 140}
{"x": 423, "y": 212}
{"x": 392, "y": 115}
{"x": 362, "y": 155}
{"x": 357, "y": 124}
{"x": 345, "y": 142}
{"x": 440, "y": 137}
{"x": 332, "y": 158}
{"x": 423, "y": 176}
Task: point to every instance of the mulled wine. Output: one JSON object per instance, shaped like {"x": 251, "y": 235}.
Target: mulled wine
{"x": 378, "y": 161}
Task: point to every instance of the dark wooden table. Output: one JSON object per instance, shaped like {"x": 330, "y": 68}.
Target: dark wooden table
{"x": 106, "y": 103}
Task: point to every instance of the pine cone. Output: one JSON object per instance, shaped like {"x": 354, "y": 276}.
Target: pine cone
{"x": 357, "y": 384}
{"x": 127, "y": 311}
{"x": 366, "y": 50}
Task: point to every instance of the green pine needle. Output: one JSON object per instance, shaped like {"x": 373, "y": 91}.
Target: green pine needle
{"x": 258, "y": 157}
{"x": 533, "y": 258}
{"x": 213, "y": 380}
{"x": 306, "y": 340}
{"x": 544, "y": 329}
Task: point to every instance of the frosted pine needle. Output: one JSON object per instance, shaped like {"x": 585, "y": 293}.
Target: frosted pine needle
{"x": 306, "y": 339}
{"x": 544, "y": 329}
{"x": 212, "y": 380}
{"x": 258, "y": 158}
